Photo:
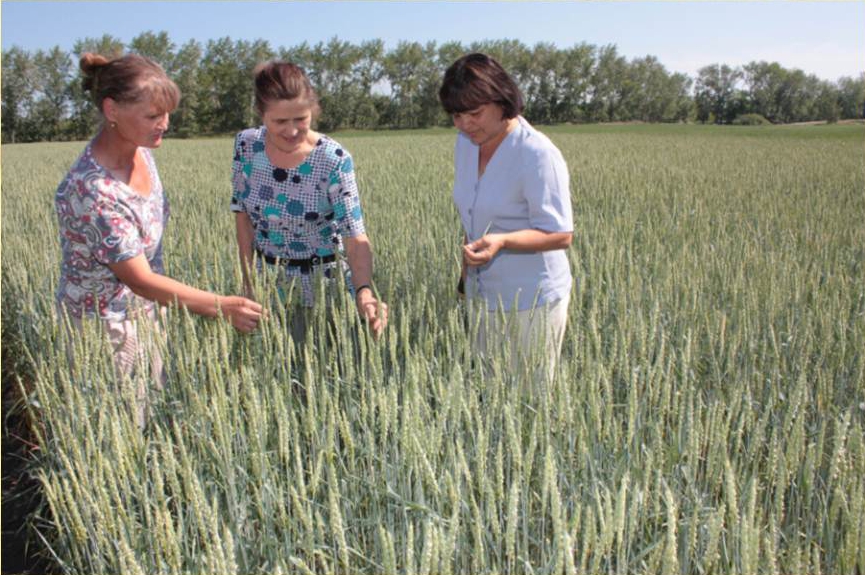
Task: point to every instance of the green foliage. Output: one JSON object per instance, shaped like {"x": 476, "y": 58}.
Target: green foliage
{"x": 708, "y": 416}
{"x": 363, "y": 86}
{"x": 751, "y": 120}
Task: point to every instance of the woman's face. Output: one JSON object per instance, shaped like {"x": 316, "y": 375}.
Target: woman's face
{"x": 482, "y": 124}
{"x": 142, "y": 123}
{"x": 288, "y": 123}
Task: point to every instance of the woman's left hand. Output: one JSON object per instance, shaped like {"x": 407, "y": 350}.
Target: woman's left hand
{"x": 481, "y": 251}
{"x": 374, "y": 312}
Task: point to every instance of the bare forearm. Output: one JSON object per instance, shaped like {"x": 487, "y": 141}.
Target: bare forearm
{"x": 531, "y": 240}
{"x": 484, "y": 249}
{"x": 358, "y": 251}
{"x": 244, "y": 314}
{"x": 166, "y": 291}
{"x": 359, "y": 255}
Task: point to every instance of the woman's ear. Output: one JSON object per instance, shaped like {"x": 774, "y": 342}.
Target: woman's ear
{"x": 109, "y": 109}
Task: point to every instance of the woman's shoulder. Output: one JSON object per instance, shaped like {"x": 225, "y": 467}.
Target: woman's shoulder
{"x": 331, "y": 146}
{"x": 536, "y": 145}
{"x": 249, "y": 136}
{"x": 86, "y": 180}
{"x": 84, "y": 169}
{"x": 332, "y": 152}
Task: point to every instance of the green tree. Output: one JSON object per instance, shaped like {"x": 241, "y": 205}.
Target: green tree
{"x": 540, "y": 88}
{"x": 53, "y": 74}
{"x": 157, "y": 47}
{"x": 607, "y": 81}
{"x": 430, "y": 74}
{"x": 684, "y": 108}
{"x": 335, "y": 62}
{"x": 225, "y": 87}
{"x": 556, "y": 82}
{"x": 851, "y": 96}
{"x": 184, "y": 121}
{"x": 827, "y": 103}
{"x": 106, "y": 45}
{"x": 654, "y": 95}
{"x": 302, "y": 55}
{"x": 367, "y": 75}
{"x": 763, "y": 85}
{"x": 575, "y": 83}
{"x": 447, "y": 54}
{"x": 17, "y": 95}
{"x": 403, "y": 67}
{"x": 718, "y": 97}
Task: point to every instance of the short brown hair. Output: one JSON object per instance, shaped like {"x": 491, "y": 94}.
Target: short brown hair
{"x": 128, "y": 79}
{"x": 477, "y": 79}
{"x": 275, "y": 80}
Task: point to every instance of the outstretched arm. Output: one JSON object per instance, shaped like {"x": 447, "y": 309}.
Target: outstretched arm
{"x": 242, "y": 313}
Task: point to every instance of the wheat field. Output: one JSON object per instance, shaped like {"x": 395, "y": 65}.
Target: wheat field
{"x": 708, "y": 415}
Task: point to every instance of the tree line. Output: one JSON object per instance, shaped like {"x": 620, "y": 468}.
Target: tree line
{"x": 365, "y": 86}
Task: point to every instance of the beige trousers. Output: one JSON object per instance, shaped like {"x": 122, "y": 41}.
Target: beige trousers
{"x": 531, "y": 338}
{"x": 136, "y": 355}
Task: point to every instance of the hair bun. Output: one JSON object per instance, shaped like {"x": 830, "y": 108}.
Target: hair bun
{"x": 90, "y": 65}
{"x": 90, "y": 62}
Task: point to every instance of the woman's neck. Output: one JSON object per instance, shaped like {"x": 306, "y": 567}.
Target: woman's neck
{"x": 489, "y": 147}
{"x": 112, "y": 151}
{"x": 290, "y": 159}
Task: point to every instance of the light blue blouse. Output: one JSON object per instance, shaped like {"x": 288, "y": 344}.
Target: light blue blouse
{"x": 525, "y": 186}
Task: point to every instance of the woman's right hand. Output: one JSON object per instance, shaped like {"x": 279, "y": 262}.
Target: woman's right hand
{"x": 242, "y": 313}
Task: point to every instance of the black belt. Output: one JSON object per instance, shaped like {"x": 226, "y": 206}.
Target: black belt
{"x": 305, "y": 265}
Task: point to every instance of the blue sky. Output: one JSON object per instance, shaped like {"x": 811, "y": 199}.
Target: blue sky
{"x": 822, "y": 38}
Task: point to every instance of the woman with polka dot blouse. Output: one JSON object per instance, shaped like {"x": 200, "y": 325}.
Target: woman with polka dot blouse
{"x": 295, "y": 197}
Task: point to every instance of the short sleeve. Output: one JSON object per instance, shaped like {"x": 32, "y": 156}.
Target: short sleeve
{"x": 241, "y": 167}
{"x": 110, "y": 227}
{"x": 343, "y": 195}
{"x": 548, "y": 192}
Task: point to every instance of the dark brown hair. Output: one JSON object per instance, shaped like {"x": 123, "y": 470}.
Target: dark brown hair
{"x": 128, "y": 79}
{"x": 477, "y": 79}
{"x": 275, "y": 80}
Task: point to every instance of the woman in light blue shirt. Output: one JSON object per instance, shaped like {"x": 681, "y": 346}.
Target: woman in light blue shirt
{"x": 512, "y": 191}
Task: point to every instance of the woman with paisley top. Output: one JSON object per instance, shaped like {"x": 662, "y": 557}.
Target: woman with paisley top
{"x": 112, "y": 212}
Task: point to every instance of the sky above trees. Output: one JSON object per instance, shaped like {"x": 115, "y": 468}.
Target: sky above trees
{"x": 826, "y": 39}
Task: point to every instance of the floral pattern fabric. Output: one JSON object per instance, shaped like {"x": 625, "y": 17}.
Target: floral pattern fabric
{"x": 103, "y": 221}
